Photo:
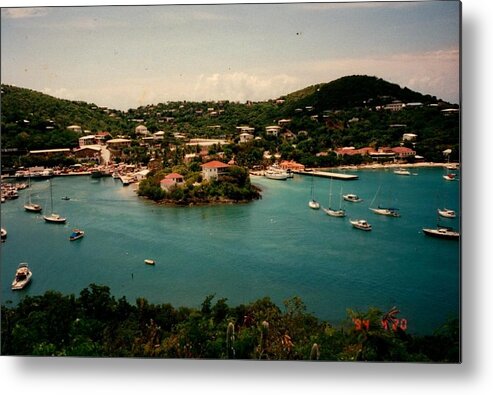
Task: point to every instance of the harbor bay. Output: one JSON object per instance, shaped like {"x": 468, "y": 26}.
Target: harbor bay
{"x": 276, "y": 246}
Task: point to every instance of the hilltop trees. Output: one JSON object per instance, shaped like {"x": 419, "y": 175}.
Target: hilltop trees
{"x": 96, "y": 324}
{"x": 346, "y": 112}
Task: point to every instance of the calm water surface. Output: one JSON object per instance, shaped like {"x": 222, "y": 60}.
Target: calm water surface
{"x": 275, "y": 247}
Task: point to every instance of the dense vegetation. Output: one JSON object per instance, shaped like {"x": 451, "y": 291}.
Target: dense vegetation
{"x": 344, "y": 112}
{"x": 235, "y": 186}
{"x": 96, "y": 324}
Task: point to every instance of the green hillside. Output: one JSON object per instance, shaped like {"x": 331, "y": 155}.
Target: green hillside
{"x": 321, "y": 118}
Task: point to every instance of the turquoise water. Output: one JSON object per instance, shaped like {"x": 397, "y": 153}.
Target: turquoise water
{"x": 275, "y": 247}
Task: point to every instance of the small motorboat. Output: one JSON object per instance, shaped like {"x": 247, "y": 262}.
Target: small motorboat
{"x": 22, "y": 276}
{"x": 447, "y": 213}
{"x": 402, "y": 172}
{"x": 149, "y": 261}
{"x": 449, "y": 177}
{"x": 3, "y": 234}
{"x": 360, "y": 224}
{"x": 76, "y": 234}
{"x": 351, "y": 197}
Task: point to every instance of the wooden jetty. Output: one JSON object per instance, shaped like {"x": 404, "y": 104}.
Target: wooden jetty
{"x": 327, "y": 174}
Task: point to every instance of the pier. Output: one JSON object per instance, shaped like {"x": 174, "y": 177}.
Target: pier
{"x": 326, "y": 174}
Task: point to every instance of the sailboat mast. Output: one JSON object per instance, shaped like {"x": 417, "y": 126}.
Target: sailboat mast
{"x": 51, "y": 195}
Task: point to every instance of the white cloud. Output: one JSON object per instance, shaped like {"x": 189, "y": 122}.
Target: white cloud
{"x": 241, "y": 86}
{"x": 19, "y": 13}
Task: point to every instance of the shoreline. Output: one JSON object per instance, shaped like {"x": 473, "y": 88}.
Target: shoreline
{"x": 392, "y": 165}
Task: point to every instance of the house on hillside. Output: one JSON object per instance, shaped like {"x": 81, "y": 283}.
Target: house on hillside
{"x": 246, "y": 137}
{"x": 171, "y": 180}
{"x": 213, "y": 169}
{"x": 272, "y": 130}
{"x": 74, "y": 128}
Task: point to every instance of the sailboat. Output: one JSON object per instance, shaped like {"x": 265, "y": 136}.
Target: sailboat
{"x": 330, "y": 211}
{"x": 30, "y": 206}
{"x": 313, "y": 203}
{"x": 53, "y": 217}
{"x": 388, "y": 211}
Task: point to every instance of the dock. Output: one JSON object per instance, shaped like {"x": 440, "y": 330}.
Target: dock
{"x": 327, "y": 174}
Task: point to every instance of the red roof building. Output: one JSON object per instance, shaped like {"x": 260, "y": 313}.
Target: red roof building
{"x": 213, "y": 169}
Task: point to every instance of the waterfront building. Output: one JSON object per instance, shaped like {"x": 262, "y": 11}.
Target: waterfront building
{"x": 171, "y": 180}
{"x": 213, "y": 169}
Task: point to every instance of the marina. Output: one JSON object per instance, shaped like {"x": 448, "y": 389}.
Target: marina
{"x": 276, "y": 246}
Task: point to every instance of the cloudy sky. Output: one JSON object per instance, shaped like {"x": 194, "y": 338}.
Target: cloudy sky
{"x": 126, "y": 56}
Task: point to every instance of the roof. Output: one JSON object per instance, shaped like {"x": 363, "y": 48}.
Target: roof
{"x": 90, "y": 147}
{"x": 46, "y": 151}
{"x": 215, "y": 164}
{"x": 399, "y": 150}
{"x": 118, "y": 141}
{"x": 173, "y": 175}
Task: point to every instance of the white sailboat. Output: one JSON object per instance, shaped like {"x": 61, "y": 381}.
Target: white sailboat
{"x": 313, "y": 204}
{"x": 388, "y": 211}
{"x": 29, "y": 205}
{"x": 53, "y": 217}
{"x": 332, "y": 212}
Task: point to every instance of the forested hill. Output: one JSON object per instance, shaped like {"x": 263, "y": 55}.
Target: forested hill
{"x": 353, "y": 91}
{"x": 323, "y": 117}
{"x": 31, "y": 119}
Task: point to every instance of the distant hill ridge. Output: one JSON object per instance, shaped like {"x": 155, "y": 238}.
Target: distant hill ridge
{"x": 353, "y": 91}
{"x": 343, "y": 93}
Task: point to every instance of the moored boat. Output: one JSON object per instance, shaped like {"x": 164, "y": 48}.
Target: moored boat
{"x": 314, "y": 204}
{"x": 335, "y": 213}
{"x": 351, "y": 197}
{"x": 76, "y": 234}
{"x": 449, "y": 177}
{"x": 442, "y": 232}
{"x": 150, "y": 262}
{"x": 276, "y": 175}
{"x": 402, "y": 172}
{"x": 3, "y": 233}
{"x": 390, "y": 212}
{"x": 360, "y": 224}
{"x": 447, "y": 213}
{"x": 22, "y": 276}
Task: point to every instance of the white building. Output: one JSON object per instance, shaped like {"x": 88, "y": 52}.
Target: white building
{"x": 246, "y": 137}
{"x": 212, "y": 170}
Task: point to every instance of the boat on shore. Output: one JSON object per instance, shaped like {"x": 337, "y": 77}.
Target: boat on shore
{"x": 360, "y": 224}
{"x": 442, "y": 232}
{"x": 351, "y": 197}
{"x": 76, "y": 234}
{"x": 22, "y": 277}
{"x": 446, "y": 213}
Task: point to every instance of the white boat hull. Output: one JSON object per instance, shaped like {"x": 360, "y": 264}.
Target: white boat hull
{"x": 335, "y": 213}
{"x": 361, "y": 224}
{"x": 385, "y": 211}
{"x": 54, "y": 218}
{"x": 314, "y": 204}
